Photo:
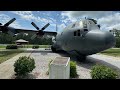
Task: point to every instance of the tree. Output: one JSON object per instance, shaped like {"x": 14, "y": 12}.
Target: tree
{"x": 8, "y": 39}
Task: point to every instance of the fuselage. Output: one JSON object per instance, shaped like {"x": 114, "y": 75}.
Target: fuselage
{"x": 84, "y": 37}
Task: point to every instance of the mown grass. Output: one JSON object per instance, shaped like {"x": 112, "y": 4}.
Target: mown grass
{"x": 5, "y": 55}
{"x": 2, "y": 46}
{"x": 40, "y": 46}
{"x": 28, "y": 46}
{"x": 112, "y": 52}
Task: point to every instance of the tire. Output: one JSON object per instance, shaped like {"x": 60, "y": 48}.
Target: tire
{"x": 53, "y": 49}
{"x": 81, "y": 58}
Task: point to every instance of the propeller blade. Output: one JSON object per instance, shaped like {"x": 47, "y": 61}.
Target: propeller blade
{"x": 11, "y": 33}
{"x": 8, "y": 23}
{"x": 35, "y": 25}
{"x": 34, "y": 36}
{"x": 45, "y": 26}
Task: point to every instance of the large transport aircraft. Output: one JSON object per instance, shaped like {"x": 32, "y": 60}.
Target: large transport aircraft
{"x": 80, "y": 38}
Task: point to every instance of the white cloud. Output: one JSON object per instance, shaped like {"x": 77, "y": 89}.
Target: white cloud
{"x": 117, "y": 26}
{"x": 92, "y": 14}
{"x": 62, "y": 26}
{"x": 5, "y": 18}
{"x": 107, "y": 19}
{"x": 28, "y": 15}
{"x": 110, "y": 21}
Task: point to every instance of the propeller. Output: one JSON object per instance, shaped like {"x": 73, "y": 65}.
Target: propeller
{"x": 40, "y": 32}
{"x": 6, "y": 29}
{"x": 9, "y": 22}
{"x": 35, "y": 25}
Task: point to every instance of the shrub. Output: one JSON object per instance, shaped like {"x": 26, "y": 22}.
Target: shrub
{"x": 35, "y": 46}
{"x": 117, "y": 42}
{"x": 24, "y": 65}
{"x": 102, "y": 72}
{"x": 73, "y": 71}
{"x": 11, "y": 47}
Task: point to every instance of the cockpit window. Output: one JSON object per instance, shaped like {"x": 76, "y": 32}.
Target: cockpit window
{"x": 85, "y": 24}
{"x": 93, "y": 25}
{"x": 91, "y": 22}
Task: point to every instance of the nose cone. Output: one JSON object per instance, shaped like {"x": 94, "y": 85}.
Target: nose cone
{"x": 98, "y": 40}
{"x": 109, "y": 39}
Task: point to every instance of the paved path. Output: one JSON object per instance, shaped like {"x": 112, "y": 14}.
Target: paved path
{"x": 111, "y": 61}
{"x": 7, "y": 69}
{"x": 43, "y": 57}
{"x": 84, "y": 68}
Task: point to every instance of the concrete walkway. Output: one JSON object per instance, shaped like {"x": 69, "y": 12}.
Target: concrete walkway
{"x": 7, "y": 69}
{"x": 42, "y": 58}
{"x": 115, "y": 61}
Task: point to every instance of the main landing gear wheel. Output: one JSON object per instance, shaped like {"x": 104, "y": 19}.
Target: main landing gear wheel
{"x": 81, "y": 58}
{"x": 53, "y": 49}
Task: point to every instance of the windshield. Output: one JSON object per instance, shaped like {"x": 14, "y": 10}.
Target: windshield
{"x": 85, "y": 24}
{"x": 92, "y": 25}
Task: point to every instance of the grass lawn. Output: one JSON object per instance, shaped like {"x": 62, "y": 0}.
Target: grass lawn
{"x": 28, "y": 46}
{"x": 5, "y": 55}
{"x": 2, "y": 47}
{"x": 40, "y": 46}
{"x": 112, "y": 52}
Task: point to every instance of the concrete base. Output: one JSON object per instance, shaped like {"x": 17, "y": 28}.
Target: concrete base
{"x": 60, "y": 68}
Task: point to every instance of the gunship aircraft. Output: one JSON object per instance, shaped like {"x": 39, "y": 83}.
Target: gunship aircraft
{"x": 83, "y": 38}
{"x": 80, "y": 38}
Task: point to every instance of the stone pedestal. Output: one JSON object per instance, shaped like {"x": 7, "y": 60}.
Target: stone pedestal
{"x": 60, "y": 68}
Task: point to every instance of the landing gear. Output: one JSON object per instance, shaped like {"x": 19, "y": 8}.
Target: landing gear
{"x": 81, "y": 58}
{"x": 53, "y": 49}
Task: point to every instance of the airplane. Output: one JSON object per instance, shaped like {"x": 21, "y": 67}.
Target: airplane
{"x": 13, "y": 31}
{"x": 83, "y": 38}
{"x": 80, "y": 39}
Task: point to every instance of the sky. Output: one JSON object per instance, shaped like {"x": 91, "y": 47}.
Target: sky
{"x": 107, "y": 19}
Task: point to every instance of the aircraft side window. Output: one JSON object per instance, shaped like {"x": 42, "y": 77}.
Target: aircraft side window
{"x": 78, "y": 32}
{"x": 85, "y": 29}
{"x": 75, "y": 33}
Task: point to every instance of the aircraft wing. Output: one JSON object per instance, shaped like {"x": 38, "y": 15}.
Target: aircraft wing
{"x": 50, "y": 33}
{"x": 35, "y": 31}
{"x": 25, "y": 31}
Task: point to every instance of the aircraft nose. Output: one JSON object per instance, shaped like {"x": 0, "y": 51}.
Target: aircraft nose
{"x": 98, "y": 40}
{"x": 109, "y": 39}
